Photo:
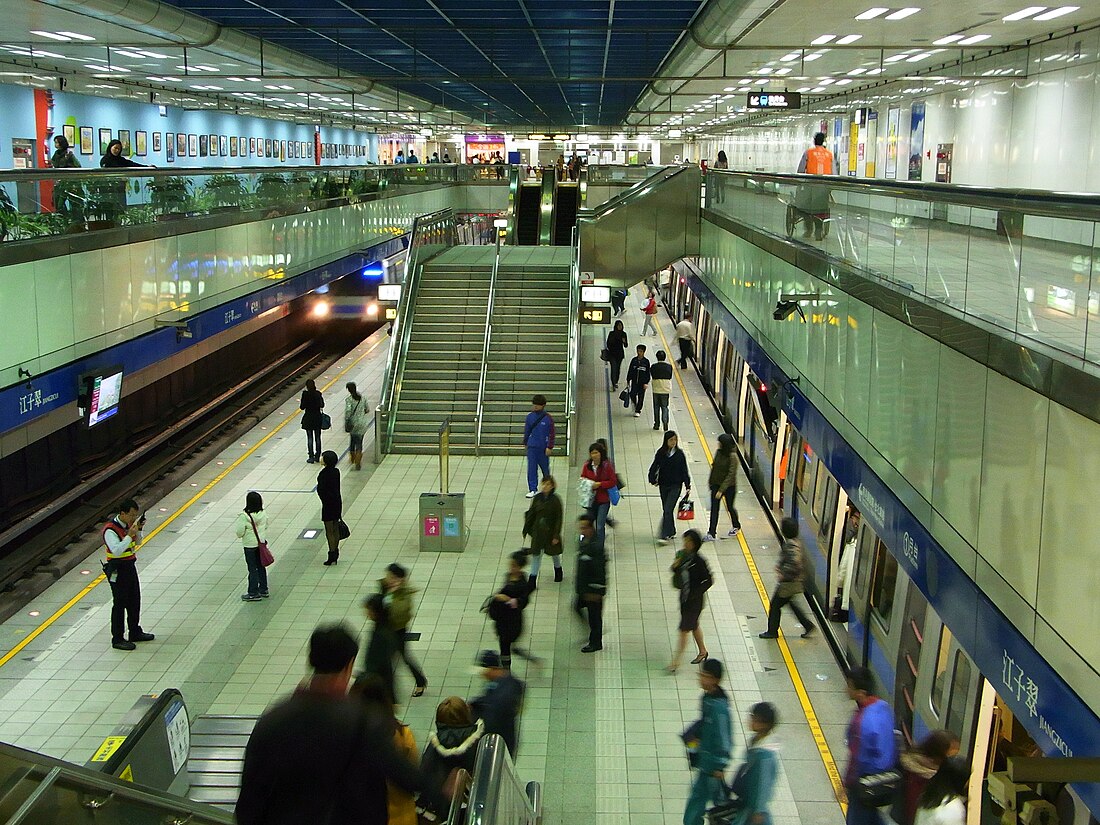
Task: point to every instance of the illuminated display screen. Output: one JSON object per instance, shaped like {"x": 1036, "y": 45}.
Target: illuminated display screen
{"x": 595, "y": 294}
{"x": 106, "y": 390}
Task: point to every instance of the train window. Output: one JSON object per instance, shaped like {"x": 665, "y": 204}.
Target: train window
{"x": 867, "y": 543}
{"x": 960, "y": 688}
{"x": 805, "y": 462}
{"x": 882, "y": 584}
{"x": 832, "y": 494}
{"x": 939, "y": 680}
{"x": 820, "y": 485}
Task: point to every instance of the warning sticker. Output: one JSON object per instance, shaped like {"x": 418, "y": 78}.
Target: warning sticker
{"x": 127, "y": 774}
{"x": 109, "y": 746}
{"x": 179, "y": 735}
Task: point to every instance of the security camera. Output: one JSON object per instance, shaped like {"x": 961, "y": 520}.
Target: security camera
{"x": 785, "y": 309}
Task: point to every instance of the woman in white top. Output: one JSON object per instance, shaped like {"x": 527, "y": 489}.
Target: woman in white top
{"x": 356, "y": 420}
{"x": 251, "y": 529}
{"x": 943, "y": 801}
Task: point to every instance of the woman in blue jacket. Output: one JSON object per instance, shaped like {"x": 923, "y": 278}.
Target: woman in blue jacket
{"x": 755, "y": 780}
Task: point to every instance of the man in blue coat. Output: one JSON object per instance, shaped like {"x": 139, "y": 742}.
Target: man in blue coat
{"x": 712, "y": 749}
{"x": 538, "y": 438}
{"x": 872, "y": 748}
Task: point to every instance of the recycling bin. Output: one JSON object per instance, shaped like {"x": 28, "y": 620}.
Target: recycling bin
{"x": 442, "y": 524}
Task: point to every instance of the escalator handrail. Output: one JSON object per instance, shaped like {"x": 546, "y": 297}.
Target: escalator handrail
{"x": 493, "y": 767}
{"x": 152, "y": 715}
{"x": 635, "y": 192}
{"x": 485, "y": 352}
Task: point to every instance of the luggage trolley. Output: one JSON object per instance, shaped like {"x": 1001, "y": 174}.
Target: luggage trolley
{"x": 809, "y": 205}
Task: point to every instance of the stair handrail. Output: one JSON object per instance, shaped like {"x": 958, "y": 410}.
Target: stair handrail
{"x": 497, "y": 795}
{"x": 485, "y": 352}
{"x": 440, "y": 227}
{"x": 574, "y": 340}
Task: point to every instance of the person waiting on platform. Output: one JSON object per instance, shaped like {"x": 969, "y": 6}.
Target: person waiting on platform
{"x": 661, "y": 376}
{"x": 356, "y": 422}
{"x": 311, "y": 404}
{"x": 251, "y": 529}
{"x": 121, "y": 540}
{"x": 332, "y": 505}
{"x": 543, "y": 522}
{"x": 538, "y": 439}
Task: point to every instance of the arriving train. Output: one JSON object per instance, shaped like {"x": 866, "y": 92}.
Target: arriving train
{"x": 877, "y": 615}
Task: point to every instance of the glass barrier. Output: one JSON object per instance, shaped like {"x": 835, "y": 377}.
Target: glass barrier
{"x": 1026, "y": 262}
{"x": 621, "y": 173}
{"x": 38, "y": 203}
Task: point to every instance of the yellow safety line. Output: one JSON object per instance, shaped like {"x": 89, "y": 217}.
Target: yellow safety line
{"x": 34, "y": 634}
{"x": 799, "y": 686}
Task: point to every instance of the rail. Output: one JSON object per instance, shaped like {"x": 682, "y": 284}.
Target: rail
{"x": 485, "y": 351}
{"x": 574, "y": 342}
{"x": 1018, "y": 260}
{"x": 617, "y": 174}
{"x": 636, "y": 191}
{"x": 430, "y": 234}
{"x": 497, "y": 797}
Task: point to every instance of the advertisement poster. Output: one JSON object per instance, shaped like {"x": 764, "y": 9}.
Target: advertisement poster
{"x": 893, "y": 123}
{"x": 853, "y": 148}
{"x": 869, "y": 145}
{"x": 916, "y": 141}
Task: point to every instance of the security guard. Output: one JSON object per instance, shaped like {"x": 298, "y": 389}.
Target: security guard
{"x": 121, "y": 536}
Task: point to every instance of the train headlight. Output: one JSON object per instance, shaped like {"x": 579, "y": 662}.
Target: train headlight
{"x": 321, "y": 309}
{"x": 372, "y": 310}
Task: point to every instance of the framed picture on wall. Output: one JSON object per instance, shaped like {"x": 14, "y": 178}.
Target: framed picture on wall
{"x": 181, "y": 145}
{"x": 214, "y": 145}
{"x": 156, "y": 142}
{"x": 232, "y": 147}
{"x": 68, "y": 131}
{"x": 141, "y": 144}
{"x": 204, "y": 145}
{"x": 267, "y": 147}
{"x": 223, "y": 145}
{"x": 252, "y": 146}
{"x": 192, "y": 146}
{"x": 282, "y": 150}
{"x": 170, "y": 147}
{"x": 86, "y": 144}
{"x": 242, "y": 146}
{"x": 104, "y": 139}
{"x": 124, "y": 139}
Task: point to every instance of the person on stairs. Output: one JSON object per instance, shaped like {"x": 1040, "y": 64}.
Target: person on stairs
{"x": 356, "y": 421}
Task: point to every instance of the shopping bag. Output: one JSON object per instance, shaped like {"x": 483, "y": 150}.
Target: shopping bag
{"x": 614, "y": 495}
{"x": 326, "y": 421}
{"x": 686, "y": 510}
{"x": 624, "y": 396}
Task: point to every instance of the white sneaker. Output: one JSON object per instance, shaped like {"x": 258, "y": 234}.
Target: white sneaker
{"x": 637, "y": 415}
{"x": 708, "y": 537}
{"x": 662, "y": 541}
{"x": 733, "y": 533}
{"x": 530, "y": 494}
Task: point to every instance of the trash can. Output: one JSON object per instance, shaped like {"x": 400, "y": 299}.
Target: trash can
{"x": 443, "y": 522}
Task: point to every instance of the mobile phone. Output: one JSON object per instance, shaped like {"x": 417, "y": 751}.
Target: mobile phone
{"x": 141, "y": 521}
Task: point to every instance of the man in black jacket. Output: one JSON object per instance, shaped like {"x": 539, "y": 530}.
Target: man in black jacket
{"x": 498, "y": 707}
{"x": 790, "y": 569}
{"x": 669, "y": 473}
{"x": 319, "y": 756}
{"x": 591, "y": 582}
{"x": 637, "y": 379}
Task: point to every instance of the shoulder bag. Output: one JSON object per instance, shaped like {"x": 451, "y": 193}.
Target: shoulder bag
{"x": 326, "y": 421}
{"x": 878, "y": 789}
{"x": 342, "y": 529}
{"x": 350, "y": 417}
{"x": 266, "y": 559}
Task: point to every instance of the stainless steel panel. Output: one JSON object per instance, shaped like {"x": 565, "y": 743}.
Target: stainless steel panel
{"x": 959, "y": 442}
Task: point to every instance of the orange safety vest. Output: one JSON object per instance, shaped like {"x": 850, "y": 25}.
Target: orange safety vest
{"x": 819, "y": 161}
{"x": 120, "y": 531}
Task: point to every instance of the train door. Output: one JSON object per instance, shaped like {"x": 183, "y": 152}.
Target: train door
{"x": 868, "y": 546}
{"x": 731, "y": 372}
{"x": 908, "y": 663}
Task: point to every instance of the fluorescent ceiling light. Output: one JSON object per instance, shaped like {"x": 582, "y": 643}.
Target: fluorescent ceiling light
{"x": 872, "y": 13}
{"x": 763, "y": 81}
{"x": 730, "y": 89}
{"x": 951, "y": 38}
{"x": 821, "y": 41}
{"x": 874, "y": 72}
{"x": 844, "y": 82}
{"x": 51, "y": 35}
{"x": 918, "y": 57}
{"x": 977, "y": 38}
{"x": 849, "y": 38}
{"x": 764, "y": 70}
{"x": 1058, "y": 12}
{"x": 1023, "y": 13}
{"x": 792, "y": 56}
{"x": 901, "y": 14}
{"x": 128, "y": 53}
{"x": 857, "y": 71}
{"x": 77, "y": 36}
{"x": 782, "y": 71}
{"x": 811, "y": 57}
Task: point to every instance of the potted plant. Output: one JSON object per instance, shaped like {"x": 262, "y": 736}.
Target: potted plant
{"x": 170, "y": 196}
{"x": 272, "y": 190}
{"x": 225, "y": 192}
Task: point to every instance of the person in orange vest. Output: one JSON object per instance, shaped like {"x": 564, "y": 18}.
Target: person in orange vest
{"x": 813, "y": 199}
{"x": 121, "y": 538}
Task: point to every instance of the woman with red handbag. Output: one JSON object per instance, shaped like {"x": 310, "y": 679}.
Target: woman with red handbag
{"x": 251, "y": 529}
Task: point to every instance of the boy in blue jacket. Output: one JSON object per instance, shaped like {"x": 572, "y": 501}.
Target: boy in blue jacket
{"x": 712, "y": 754}
{"x": 538, "y": 438}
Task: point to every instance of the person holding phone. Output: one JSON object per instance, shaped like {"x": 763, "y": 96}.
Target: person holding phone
{"x": 121, "y": 539}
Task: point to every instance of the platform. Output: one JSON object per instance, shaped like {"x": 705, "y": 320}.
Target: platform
{"x": 599, "y": 731}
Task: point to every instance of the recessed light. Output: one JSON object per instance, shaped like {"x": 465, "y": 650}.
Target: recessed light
{"x": 901, "y": 14}
{"x": 951, "y": 38}
{"x": 790, "y": 57}
{"x": 1058, "y": 12}
{"x": 1023, "y": 14}
{"x": 821, "y": 41}
{"x": 872, "y": 13}
{"x": 857, "y": 71}
{"x": 128, "y": 53}
{"x": 977, "y": 38}
{"x": 782, "y": 71}
{"x": 763, "y": 81}
{"x": 849, "y": 38}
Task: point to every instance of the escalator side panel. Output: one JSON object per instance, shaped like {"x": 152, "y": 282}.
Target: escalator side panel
{"x": 527, "y": 215}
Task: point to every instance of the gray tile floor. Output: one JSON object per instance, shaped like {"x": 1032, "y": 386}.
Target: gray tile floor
{"x": 599, "y": 731}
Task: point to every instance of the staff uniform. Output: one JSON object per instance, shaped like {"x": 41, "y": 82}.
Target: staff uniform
{"x": 120, "y": 567}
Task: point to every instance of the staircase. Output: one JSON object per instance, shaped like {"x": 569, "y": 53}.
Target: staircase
{"x": 529, "y": 349}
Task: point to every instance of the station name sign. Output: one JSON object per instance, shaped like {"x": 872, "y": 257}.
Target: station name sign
{"x": 774, "y": 100}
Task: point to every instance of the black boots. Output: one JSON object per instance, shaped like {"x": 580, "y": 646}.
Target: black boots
{"x": 333, "y": 558}
{"x": 531, "y": 584}
{"x": 557, "y": 574}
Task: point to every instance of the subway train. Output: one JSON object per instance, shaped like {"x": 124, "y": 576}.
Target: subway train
{"x": 874, "y": 614}
{"x": 360, "y": 299}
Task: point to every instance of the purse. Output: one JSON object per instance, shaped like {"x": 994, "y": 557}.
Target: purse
{"x": 604, "y": 355}
{"x": 342, "y": 529}
{"x": 686, "y": 510}
{"x": 266, "y": 558}
{"x": 878, "y": 789}
{"x": 624, "y": 396}
{"x": 326, "y": 421}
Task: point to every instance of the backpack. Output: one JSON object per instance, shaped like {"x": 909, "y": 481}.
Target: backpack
{"x": 790, "y": 562}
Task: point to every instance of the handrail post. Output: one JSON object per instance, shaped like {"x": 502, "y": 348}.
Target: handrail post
{"x": 485, "y": 349}
{"x": 573, "y": 364}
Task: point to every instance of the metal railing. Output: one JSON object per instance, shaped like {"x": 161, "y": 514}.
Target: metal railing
{"x": 497, "y": 796}
{"x": 431, "y": 233}
{"x": 621, "y": 173}
{"x": 574, "y": 343}
{"x": 1019, "y": 260}
{"x": 479, "y": 415}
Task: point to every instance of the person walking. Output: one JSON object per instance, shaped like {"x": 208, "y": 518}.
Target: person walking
{"x": 319, "y": 755}
{"x": 616, "y": 352}
{"x": 251, "y": 529}
{"x": 591, "y": 586}
{"x": 311, "y": 404}
{"x": 356, "y": 421}
{"x": 710, "y": 741}
{"x": 812, "y": 200}
{"x": 121, "y": 538}
{"x": 332, "y": 505}
{"x": 618, "y": 301}
{"x": 638, "y": 378}
{"x": 538, "y": 439}
{"x": 691, "y": 574}
{"x": 506, "y": 609}
{"x": 918, "y": 766}
{"x": 377, "y": 699}
{"x": 499, "y": 706}
{"x": 754, "y": 782}
{"x": 669, "y": 473}
{"x": 722, "y": 483}
{"x": 542, "y": 523}
{"x": 719, "y": 181}
{"x": 791, "y": 570}
{"x": 63, "y": 157}
{"x": 943, "y": 801}
{"x": 871, "y": 745}
{"x": 600, "y": 473}
{"x": 394, "y": 586}
{"x": 685, "y": 339}
{"x": 381, "y": 647}
{"x": 453, "y": 746}
{"x": 649, "y": 310}
{"x": 660, "y": 375}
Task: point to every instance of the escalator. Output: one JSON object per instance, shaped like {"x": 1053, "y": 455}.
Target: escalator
{"x": 567, "y": 203}
{"x": 528, "y": 213}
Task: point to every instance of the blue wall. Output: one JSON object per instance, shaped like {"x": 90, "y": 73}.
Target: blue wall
{"x": 17, "y": 120}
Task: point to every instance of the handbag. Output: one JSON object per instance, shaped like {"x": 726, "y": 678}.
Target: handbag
{"x": 690, "y": 737}
{"x": 351, "y": 416}
{"x": 342, "y": 529}
{"x": 614, "y": 495}
{"x": 604, "y": 356}
{"x": 624, "y": 396}
{"x": 686, "y": 510}
{"x": 266, "y": 558}
{"x": 878, "y": 789}
{"x": 619, "y": 482}
{"x": 326, "y": 421}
